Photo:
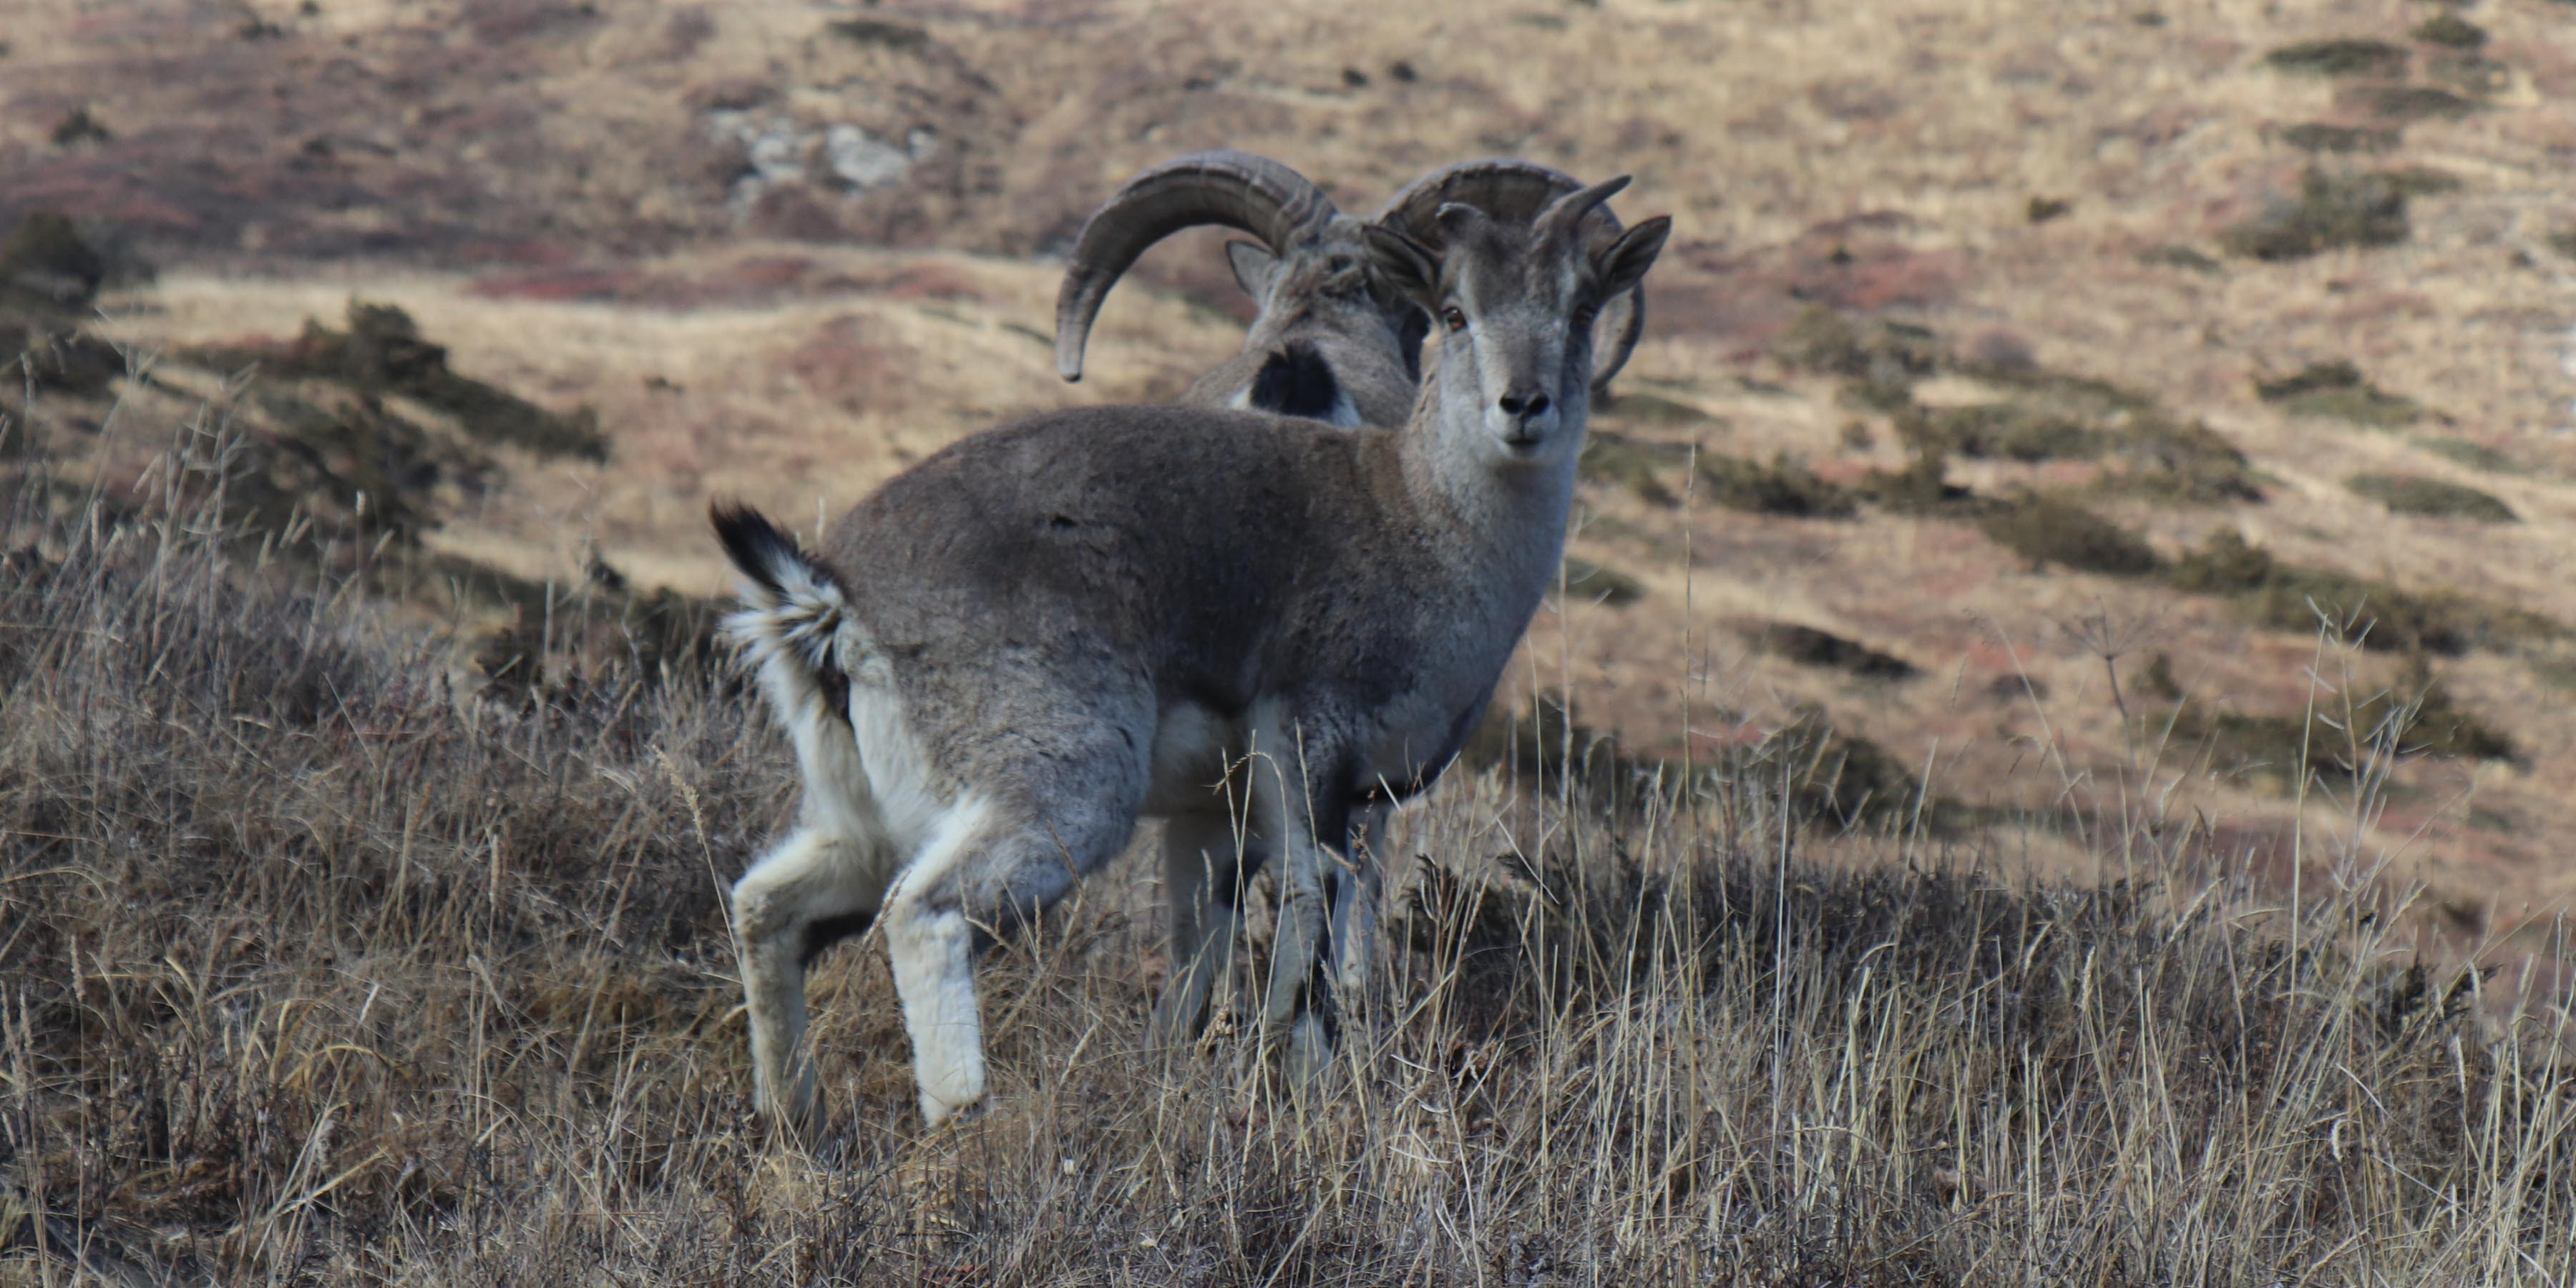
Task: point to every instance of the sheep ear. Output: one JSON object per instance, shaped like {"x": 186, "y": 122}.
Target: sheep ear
{"x": 1624, "y": 262}
{"x": 1254, "y": 266}
{"x": 1406, "y": 265}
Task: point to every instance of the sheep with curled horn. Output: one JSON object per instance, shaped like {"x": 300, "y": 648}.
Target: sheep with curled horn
{"x": 1007, "y": 655}
{"x": 1332, "y": 341}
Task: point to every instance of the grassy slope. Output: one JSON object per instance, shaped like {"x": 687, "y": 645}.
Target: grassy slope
{"x": 321, "y": 973}
{"x": 555, "y": 193}
{"x": 544, "y": 195}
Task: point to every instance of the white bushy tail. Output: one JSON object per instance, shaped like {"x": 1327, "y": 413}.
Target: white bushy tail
{"x": 795, "y": 626}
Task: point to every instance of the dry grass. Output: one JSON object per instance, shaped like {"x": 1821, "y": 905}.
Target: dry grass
{"x": 320, "y": 972}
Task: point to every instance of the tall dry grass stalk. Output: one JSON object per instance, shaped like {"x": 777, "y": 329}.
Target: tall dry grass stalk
{"x": 313, "y": 970}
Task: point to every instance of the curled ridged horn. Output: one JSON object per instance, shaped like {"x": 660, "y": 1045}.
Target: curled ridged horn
{"x": 1520, "y": 192}
{"x": 1505, "y": 189}
{"x": 1228, "y": 188}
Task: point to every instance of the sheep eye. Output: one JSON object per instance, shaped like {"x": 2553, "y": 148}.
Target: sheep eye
{"x": 1457, "y": 321}
{"x": 1583, "y": 317}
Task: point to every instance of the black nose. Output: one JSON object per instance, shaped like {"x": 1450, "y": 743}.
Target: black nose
{"x": 1523, "y": 405}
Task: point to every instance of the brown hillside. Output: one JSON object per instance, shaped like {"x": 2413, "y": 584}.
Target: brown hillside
{"x": 782, "y": 249}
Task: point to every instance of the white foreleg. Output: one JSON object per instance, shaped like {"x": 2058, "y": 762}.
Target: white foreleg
{"x": 1205, "y": 860}
{"x": 1355, "y": 905}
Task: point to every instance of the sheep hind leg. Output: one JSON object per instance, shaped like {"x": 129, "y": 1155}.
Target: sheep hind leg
{"x": 985, "y": 871}
{"x": 811, "y": 888}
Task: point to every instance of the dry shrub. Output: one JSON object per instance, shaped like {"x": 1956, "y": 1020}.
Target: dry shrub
{"x": 2477, "y": 456}
{"x": 2470, "y": 73}
{"x": 50, "y": 271}
{"x": 2060, "y": 417}
{"x": 1641, "y": 407}
{"x": 1809, "y": 646}
{"x": 2184, "y": 462}
{"x": 80, "y": 127}
{"x": 903, "y": 38}
{"x": 276, "y": 462}
{"x": 383, "y": 352}
{"x": 2010, "y": 430}
{"x": 2318, "y": 136}
{"x": 348, "y": 458}
{"x": 51, "y": 357}
{"x": 2055, "y": 530}
{"x": 1819, "y": 774}
{"x": 2176, "y": 255}
{"x": 1826, "y": 773}
{"x": 2331, "y": 211}
{"x": 2335, "y": 390}
{"x": 2043, "y": 415}
{"x": 1879, "y": 362}
{"x": 1784, "y": 487}
{"x": 1922, "y": 487}
{"x": 2374, "y": 614}
{"x": 2340, "y": 57}
{"x": 2450, "y": 29}
{"x": 2432, "y": 498}
{"x": 2412, "y": 102}
{"x": 2345, "y": 737}
{"x": 1637, "y": 464}
{"x": 45, "y": 262}
{"x": 2425, "y": 180}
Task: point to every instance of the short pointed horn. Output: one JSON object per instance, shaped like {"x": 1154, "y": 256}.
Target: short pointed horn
{"x": 1519, "y": 191}
{"x": 1233, "y": 189}
{"x": 1567, "y": 212}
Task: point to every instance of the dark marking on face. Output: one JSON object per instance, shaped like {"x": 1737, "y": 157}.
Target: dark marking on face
{"x": 1417, "y": 328}
{"x": 1296, "y": 381}
{"x": 823, "y": 932}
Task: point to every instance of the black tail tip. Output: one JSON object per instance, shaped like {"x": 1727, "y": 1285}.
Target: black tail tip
{"x": 752, "y": 542}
